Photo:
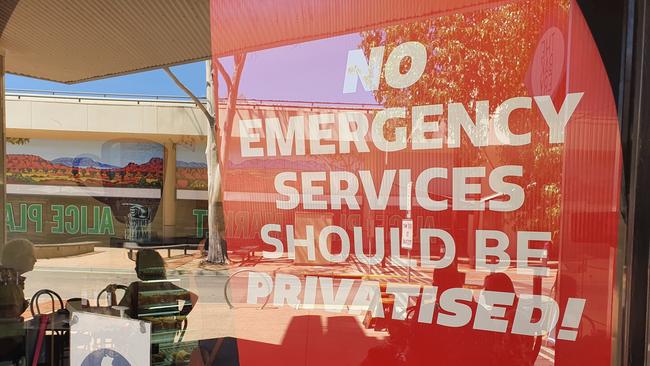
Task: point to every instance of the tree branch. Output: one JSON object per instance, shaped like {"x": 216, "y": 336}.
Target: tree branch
{"x": 240, "y": 58}
{"x": 233, "y": 92}
{"x": 196, "y": 100}
{"x": 224, "y": 74}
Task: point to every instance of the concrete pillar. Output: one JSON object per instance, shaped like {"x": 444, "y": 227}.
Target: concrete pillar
{"x": 3, "y": 153}
{"x": 169, "y": 192}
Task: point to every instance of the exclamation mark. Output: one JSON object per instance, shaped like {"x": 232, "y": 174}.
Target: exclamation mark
{"x": 571, "y": 321}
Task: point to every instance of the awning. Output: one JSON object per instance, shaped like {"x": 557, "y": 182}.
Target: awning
{"x": 78, "y": 40}
{"x": 253, "y": 25}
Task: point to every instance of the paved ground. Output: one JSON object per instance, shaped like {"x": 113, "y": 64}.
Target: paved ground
{"x": 86, "y": 275}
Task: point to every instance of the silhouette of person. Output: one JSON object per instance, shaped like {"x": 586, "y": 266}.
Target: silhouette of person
{"x": 513, "y": 349}
{"x": 415, "y": 343}
{"x": 18, "y": 257}
{"x": 441, "y": 345}
{"x": 466, "y": 345}
{"x": 19, "y": 254}
{"x": 156, "y": 299}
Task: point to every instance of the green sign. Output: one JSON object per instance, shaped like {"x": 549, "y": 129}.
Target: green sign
{"x": 66, "y": 219}
{"x": 200, "y": 215}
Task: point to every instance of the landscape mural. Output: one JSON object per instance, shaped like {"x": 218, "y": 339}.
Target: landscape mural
{"x": 191, "y": 167}
{"x": 112, "y": 163}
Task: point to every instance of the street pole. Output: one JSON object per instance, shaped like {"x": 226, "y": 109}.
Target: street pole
{"x": 3, "y": 152}
{"x": 409, "y": 189}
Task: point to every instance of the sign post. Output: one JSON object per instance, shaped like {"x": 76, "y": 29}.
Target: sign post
{"x": 407, "y": 229}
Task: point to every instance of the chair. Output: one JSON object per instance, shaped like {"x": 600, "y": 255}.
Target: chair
{"x": 110, "y": 289}
{"x": 181, "y": 332}
{"x": 55, "y": 322}
{"x": 53, "y": 296}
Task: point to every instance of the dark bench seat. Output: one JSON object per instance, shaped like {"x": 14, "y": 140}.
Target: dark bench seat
{"x": 133, "y": 246}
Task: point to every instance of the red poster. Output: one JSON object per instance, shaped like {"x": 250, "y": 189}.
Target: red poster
{"x": 490, "y": 132}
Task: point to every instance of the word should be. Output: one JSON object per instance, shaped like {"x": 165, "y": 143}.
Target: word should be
{"x": 491, "y": 245}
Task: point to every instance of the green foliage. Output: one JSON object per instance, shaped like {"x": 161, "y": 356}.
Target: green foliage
{"x": 483, "y": 55}
{"x": 17, "y": 140}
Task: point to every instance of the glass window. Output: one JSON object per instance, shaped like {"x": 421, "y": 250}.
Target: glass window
{"x": 441, "y": 188}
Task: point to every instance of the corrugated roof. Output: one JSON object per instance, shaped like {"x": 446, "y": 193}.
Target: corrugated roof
{"x": 253, "y": 25}
{"x": 79, "y": 40}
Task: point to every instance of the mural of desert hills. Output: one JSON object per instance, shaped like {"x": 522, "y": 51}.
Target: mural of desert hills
{"x": 82, "y": 171}
{"x": 191, "y": 175}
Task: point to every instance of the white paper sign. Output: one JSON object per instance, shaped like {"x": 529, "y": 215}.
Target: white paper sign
{"x": 98, "y": 340}
{"x": 407, "y": 234}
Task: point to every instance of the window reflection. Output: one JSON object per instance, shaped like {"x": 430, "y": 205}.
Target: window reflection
{"x": 500, "y": 157}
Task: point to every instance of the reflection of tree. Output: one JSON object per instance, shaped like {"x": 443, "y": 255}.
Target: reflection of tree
{"x": 483, "y": 55}
{"x": 18, "y": 140}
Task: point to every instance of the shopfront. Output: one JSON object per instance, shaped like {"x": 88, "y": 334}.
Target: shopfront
{"x": 414, "y": 184}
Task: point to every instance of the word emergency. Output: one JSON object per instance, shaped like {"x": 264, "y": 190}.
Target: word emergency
{"x": 334, "y": 133}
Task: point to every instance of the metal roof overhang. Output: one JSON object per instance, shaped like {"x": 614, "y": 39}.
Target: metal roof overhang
{"x": 72, "y": 41}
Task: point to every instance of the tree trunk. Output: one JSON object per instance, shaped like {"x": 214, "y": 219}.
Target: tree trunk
{"x": 217, "y": 251}
{"x": 216, "y": 254}
{"x": 217, "y": 152}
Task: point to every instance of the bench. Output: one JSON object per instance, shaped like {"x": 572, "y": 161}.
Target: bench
{"x": 45, "y": 251}
{"x": 246, "y": 254}
{"x": 132, "y": 246}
